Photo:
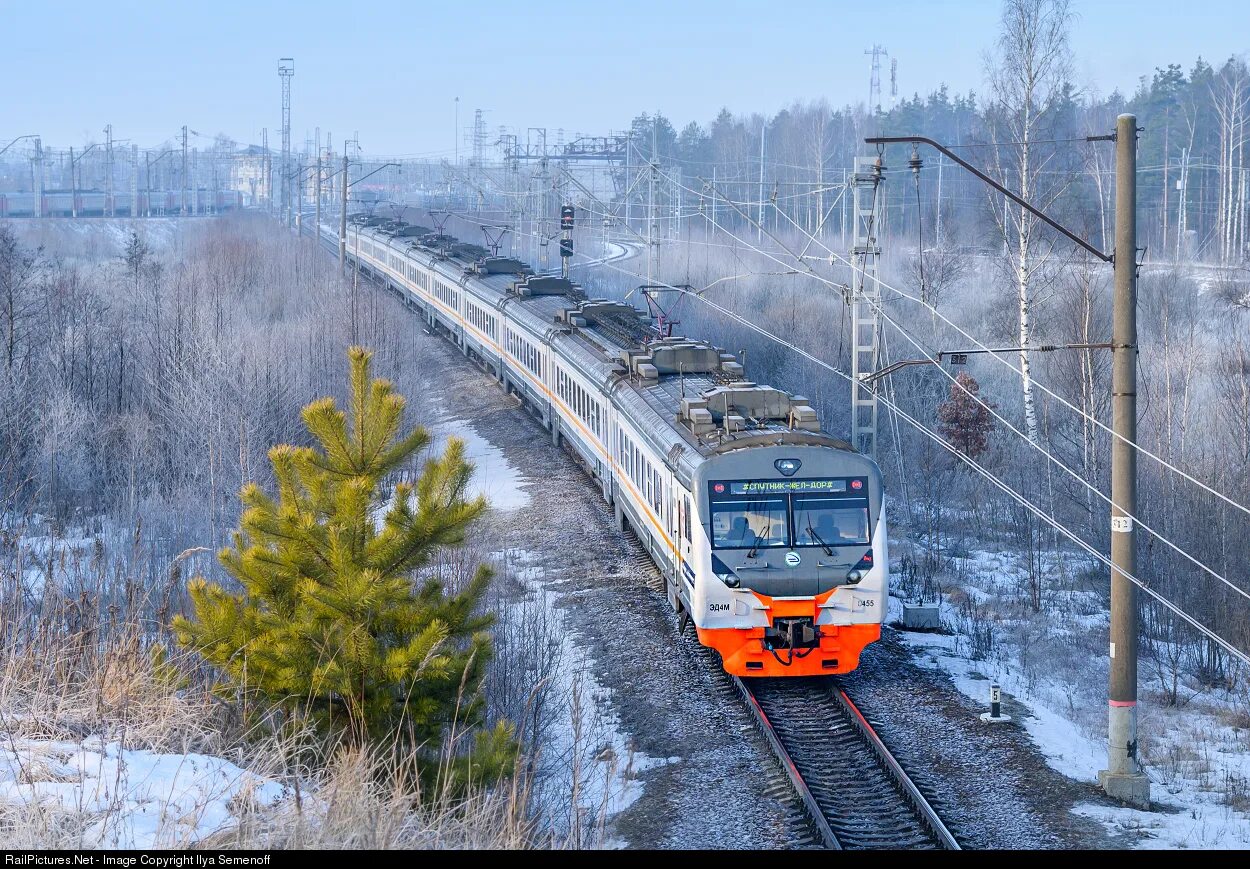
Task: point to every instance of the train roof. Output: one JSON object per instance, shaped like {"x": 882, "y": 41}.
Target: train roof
{"x": 683, "y": 392}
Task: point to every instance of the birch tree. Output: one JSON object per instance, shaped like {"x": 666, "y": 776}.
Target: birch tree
{"x": 1028, "y": 78}
{"x": 1230, "y": 96}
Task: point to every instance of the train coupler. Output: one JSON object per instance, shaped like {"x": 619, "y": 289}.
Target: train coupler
{"x": 792, "y": 633}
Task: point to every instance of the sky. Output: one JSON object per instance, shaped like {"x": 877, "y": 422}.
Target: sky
{"x": 392, "y": 71}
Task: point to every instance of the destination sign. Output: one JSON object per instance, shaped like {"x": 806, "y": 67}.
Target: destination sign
{"x": 778, "y": 487}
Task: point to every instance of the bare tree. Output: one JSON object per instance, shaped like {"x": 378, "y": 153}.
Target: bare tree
{"x": 1029, "y": 79}
{"x": 19, "y": 272}
{"x": 1230, "y": 96}
{"x": 935, "y": 271}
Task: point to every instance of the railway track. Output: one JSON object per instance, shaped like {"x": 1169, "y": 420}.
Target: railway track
{"x": 857, "y": 794}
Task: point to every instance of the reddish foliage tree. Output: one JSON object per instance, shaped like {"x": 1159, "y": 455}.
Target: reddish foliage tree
{"x": 965, "y": 421}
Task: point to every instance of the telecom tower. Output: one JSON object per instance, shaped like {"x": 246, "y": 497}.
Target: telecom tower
{"x": 479, "y": 138}
{"x": 874, "y": 83}
{"x": 286, "y": 69}
{"x": 865, "y": 302}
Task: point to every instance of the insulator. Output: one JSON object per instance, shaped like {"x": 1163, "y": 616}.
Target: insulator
{"x": 915, "y": 163}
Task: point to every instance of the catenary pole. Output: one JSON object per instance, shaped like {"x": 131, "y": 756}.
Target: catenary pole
{"x": 343, "y": 217}
{"x": 1124, "y": 778}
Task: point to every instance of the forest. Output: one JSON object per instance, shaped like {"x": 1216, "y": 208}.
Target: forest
{"x": 1192, "y": 160}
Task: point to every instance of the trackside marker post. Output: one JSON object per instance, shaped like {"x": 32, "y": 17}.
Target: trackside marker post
{"x": 995, "y": 715}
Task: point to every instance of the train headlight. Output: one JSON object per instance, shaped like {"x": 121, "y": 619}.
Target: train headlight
{"x": 854, "y": 577}
{"x": 788, "y": 467}
{"x": 729, "y": 579}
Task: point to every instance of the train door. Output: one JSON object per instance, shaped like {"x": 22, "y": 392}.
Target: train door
{"x": 679, "y": 522}
{"x": 687, "y": 520}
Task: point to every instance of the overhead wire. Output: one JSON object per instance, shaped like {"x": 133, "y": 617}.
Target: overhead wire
{"x": 1050, "y": 456}
{"x": 994, "y": 354}
{"x": 1020, "y": 498}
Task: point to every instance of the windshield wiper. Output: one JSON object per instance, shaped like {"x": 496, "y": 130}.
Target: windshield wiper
{"x": 759, "y": 537}
{"x": 818, "y": 539}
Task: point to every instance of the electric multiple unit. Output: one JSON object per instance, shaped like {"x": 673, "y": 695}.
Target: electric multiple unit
{"x": 770, "y": 532}
{"x": 95, "y": 203}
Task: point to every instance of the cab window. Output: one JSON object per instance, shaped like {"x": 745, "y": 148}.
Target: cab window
{"x": 743, "y": 524}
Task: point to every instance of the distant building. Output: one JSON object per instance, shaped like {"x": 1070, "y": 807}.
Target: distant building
{"x": 247, "y": 175}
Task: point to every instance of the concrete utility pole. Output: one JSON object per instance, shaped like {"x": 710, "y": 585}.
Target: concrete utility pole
{"x": 108, "y": 174}
{"x": 37, "y": 181}
{"x": 184, "y": 170}
{"x": 759, "y": 222}
{"x": 1123, "y": 778}
{"x": 343, "y": 217}
{"x": 134, "y": 181}
{"x": 317, "y": 225}
{"x": 629, "y": 183}
{"x": 266, "y": 183}
{"x": 73, "y": 185}
{"x": 299, "y": 198}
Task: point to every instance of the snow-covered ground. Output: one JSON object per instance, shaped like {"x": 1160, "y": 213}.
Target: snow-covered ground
{"x": 493, "y": 475}
{"x": 127, "y": 798}
{"x": 1198, "y": 755}
{"x": 586, "y": 756}
{"x": 91, "y": 241}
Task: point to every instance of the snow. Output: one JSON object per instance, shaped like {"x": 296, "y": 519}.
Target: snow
{"x": 588, "y": 741}
{"x": 89, "y": 241}
{"x": 135, "y": 798}
{"x": 1198, "y": 763}
{"x": 44, "y": 558}
{"x": 493, "y": 475}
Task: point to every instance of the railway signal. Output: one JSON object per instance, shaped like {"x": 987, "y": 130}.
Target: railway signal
{"x": 566, "y": 238}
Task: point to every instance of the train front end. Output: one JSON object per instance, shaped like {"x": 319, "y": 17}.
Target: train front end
{"x": 790, "y": 578}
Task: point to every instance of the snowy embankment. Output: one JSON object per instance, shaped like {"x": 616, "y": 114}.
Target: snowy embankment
{"x": 113, "y": 797}
{"x": 493, "y": 475}
{"x": 1052, "y": 663}
{"x": 587, "y": 759}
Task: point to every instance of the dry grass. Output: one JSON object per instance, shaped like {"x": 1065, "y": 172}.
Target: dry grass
{"x": 77, "y": 666}
{"x": 365, "y": 800}
{"x": 335, "y": 799}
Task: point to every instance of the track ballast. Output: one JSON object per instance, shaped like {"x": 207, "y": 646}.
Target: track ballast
{"x": 858, "y": 796}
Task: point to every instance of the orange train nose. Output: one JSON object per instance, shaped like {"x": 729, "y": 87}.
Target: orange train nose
{"x": 743, "y": 652}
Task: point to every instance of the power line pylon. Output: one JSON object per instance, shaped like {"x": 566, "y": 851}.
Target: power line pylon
{"x": 286, "y": 69}
{"x": 865, "y": 302}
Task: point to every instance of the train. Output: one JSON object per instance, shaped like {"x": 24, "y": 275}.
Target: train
{"x": 770, "y": 532}
{"x": 95, "y": 203}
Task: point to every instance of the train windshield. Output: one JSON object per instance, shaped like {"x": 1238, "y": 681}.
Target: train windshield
{"x": 749, "y": 524}
{"x": 753, "y": 514}
{"x": 820, "y": 521}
